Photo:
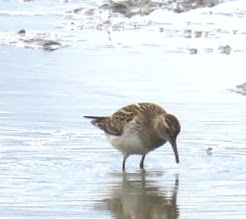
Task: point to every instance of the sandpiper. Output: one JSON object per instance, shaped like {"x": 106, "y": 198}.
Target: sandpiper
{"x": 138, "y": 129}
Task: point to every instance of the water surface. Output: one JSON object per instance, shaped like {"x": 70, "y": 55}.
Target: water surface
{"x": 54, "y": 163}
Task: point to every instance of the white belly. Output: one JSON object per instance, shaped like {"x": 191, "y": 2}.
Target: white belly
{"x": 128, "y": 144}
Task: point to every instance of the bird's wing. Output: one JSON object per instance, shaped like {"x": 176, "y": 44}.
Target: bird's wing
{"x": 143, "y": 113}
{"x": 115, "y": 124}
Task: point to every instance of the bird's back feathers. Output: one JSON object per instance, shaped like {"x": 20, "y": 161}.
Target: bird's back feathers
{"x": 115, "y": 124}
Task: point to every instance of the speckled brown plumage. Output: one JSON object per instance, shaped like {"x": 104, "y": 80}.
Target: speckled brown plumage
{"x": 139, "y": 129}
{"x": 114, "y": 124}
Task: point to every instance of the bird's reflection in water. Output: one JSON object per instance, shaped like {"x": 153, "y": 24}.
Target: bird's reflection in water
{"x": 138, "y": 197}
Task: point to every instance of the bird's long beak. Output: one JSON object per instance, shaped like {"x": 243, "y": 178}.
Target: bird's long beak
{"x": 175, "y": 150}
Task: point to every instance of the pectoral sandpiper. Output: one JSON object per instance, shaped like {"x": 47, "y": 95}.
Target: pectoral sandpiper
{"x": 139, "y": 129}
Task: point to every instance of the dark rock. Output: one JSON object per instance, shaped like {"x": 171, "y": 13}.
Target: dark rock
{"x": 193, "y": 51}
{"x": 51, "y": 45}
{"x": 186, "y": 5}
{"x": 240, "y": 89}
{"x": 197, "y": 34}
{"x": 209, "y": 150}
{"x": 77, "y": 10}
{"x": 225, "y": 49}
{"x": 130, "y": 8}
{"x": 120, "y": 8}
{"x": 22, "y": 32}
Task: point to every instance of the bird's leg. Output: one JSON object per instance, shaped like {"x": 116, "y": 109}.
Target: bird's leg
{"x": 142, "y": 162}
{"x": 124, "y": 162}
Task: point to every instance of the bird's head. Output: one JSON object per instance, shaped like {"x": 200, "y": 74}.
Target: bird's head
{"x": 169, "y": 131}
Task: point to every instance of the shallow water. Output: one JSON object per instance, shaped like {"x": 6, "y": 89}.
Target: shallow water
{"x": 54, "y": 163}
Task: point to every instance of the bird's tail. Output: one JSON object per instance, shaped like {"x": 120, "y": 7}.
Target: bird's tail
{"x": 98, "y": 121}
{"x": 96, "y": 117}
